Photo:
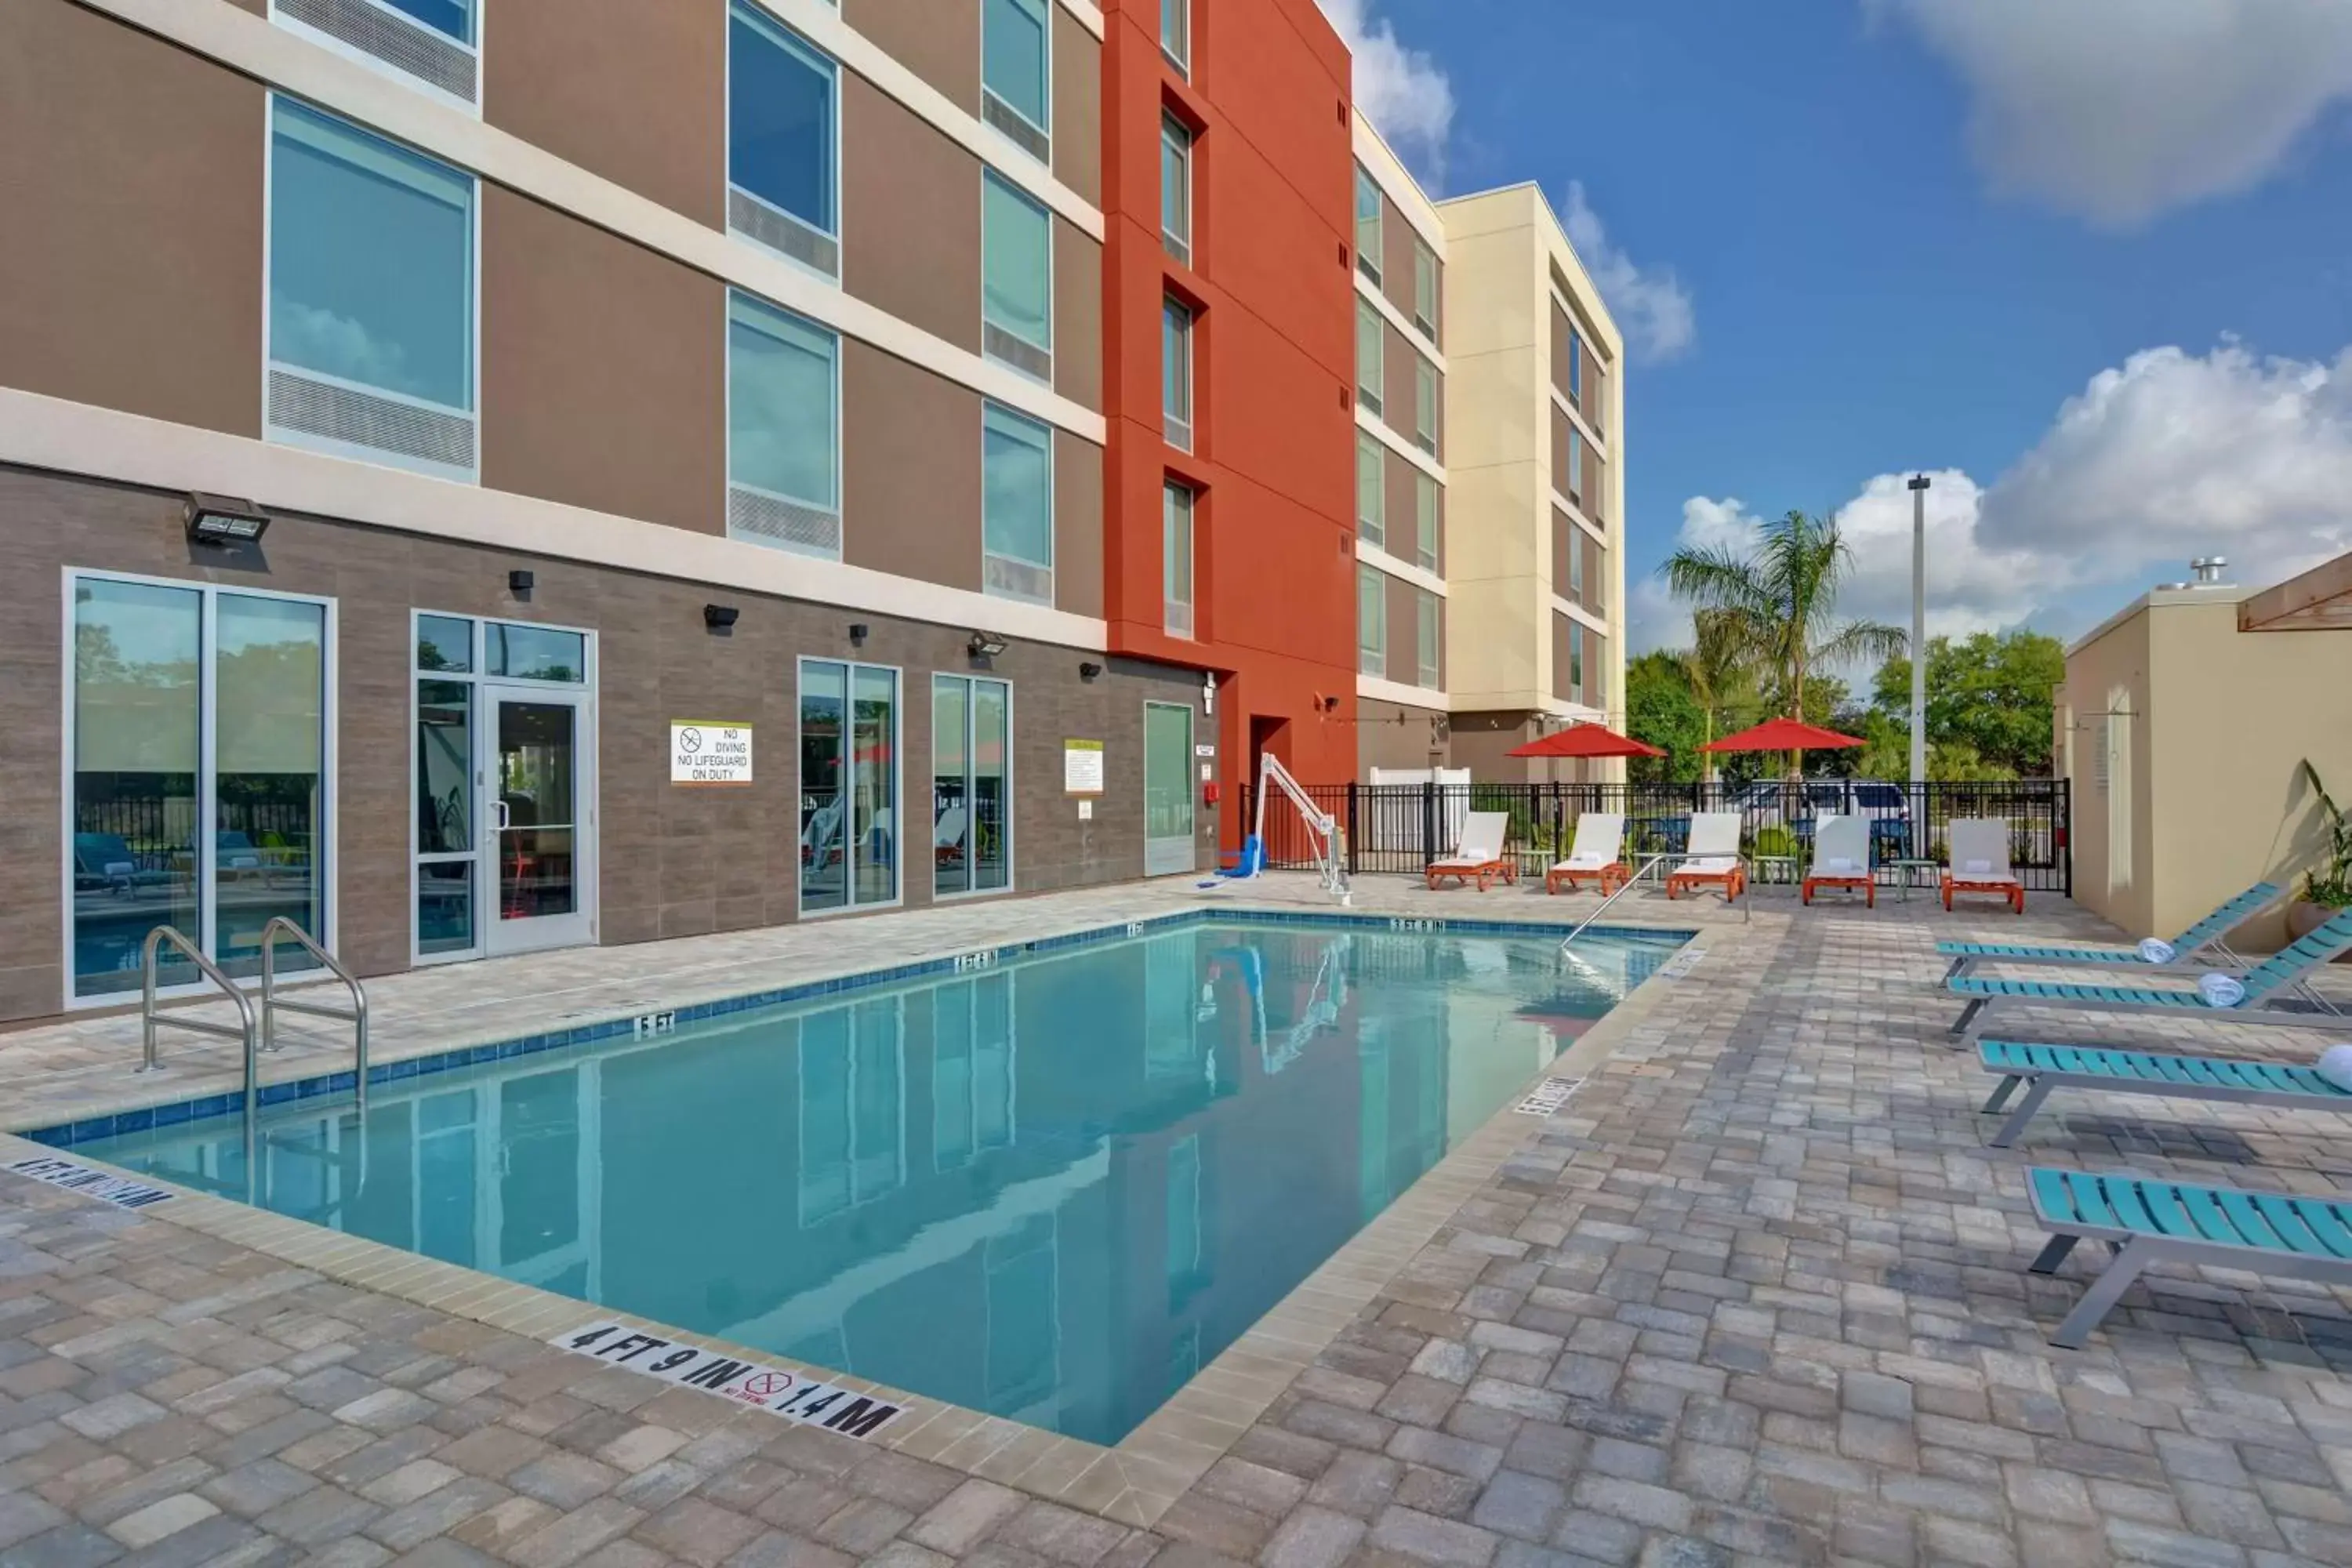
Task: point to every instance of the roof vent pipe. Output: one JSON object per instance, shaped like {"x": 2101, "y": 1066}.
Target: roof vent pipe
{"x": 2207, "y": 570}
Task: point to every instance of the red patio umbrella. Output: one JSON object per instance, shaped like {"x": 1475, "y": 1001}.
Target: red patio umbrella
{"x": 1784, "y": 735}
{"x": 1584, "y": 740}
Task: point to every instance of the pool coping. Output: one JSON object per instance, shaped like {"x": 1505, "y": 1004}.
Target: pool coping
{"x": 1141, "y": 1478}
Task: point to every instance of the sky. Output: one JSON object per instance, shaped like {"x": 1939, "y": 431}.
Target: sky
{"x": 2085, "y": 263}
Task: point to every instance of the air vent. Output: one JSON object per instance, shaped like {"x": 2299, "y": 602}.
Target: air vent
{"x": 1178, "y": 618}
{"x": 303, "y": 405}
{"x": 1178, "y": 432}
{"x": 770, "y": 520}
{"x": 385, "y": 35}
{"x": 1021, "y": 356}
{"x": 780, "y": 231}
{"x": 1016, "y": 579}
{"x": 1010, "y": 121}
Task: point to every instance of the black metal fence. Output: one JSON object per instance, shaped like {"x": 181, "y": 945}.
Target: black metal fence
{"x": 1402, "y": 827}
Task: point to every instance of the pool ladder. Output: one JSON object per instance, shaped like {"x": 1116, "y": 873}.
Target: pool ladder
{"x": 257, "y": 1032}
{"x": 1652, "y": 864}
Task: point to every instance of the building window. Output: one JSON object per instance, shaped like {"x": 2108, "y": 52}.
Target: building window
{"x": 1424, "y": 606}
{"x": 1176, "y": 503}
{"x": 848, "y": 785}
{"x": 973, "y": 1049}
{"x": 782, "y": 142}
{"x": 1368, "y": 225}
{"x": 1571, "y": 483}
{"x": 1371, "y": 622}
{"x": 1016, "y": 72}
{"x": 1176, "y": 374}
{"x": 198, "y": 722}
{"x": 432, "y": 43}
{"x": 1575, "y": 563}
{"x": 1370, "y": 347}
{"x": 1424, "y": 405}
{"x": 1576, "y": 661}
{"x": 851, "y": 1118}
{"x": 1372, "y": 490}
{"x": 1424, "y": 289}
{"x": 1576, "y": 367}
{"x": 1016, "y": 244}
{"x": 1017, "y": 506}
{"x": 1425, "y": 522}
{"x": 372, "y": 317}
{"x": 784, "y": 429}
{"x": 1176, "y": 188}
{"x": 1176, "y": 34}
{"x": 972, "y": 784}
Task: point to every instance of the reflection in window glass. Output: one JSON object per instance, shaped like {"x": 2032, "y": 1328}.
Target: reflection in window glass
{"x": 1176, "y": 558}
{"x": 1371, "y": 622}
{"x": 445, "y": 643}
{"x": 522, "y": 652}
{"x": 1012, "y": 57}
{"x": 1017, "y": 505}
{"x": 781, "y": 422}
{"x": 137, "y": 694}
{"x": 780, "y": 118}
{"x": 1370, "y": 347}
{"x": 1176, "y": 188}
{"x": 1372, "y": 490}
{"x": 1424, "y": 506}
{"x": 371, "y": 261}
{"x": 454, "y": 17}
{"x": 1176, "y": 374}
{"x": 874, "y": 782}
{"x": 970, "y": 784}
{"x": 1176, "y": 32}
{"x": 849, "y": 786}
{"x": 1016, "y": 240}
{"x": 1425, "y": 626}
{"x": 1368, "y": 225}
{"x": 269, "y": 717}
{"x": 824, "y": 805}
{"x": 992, "y": 785}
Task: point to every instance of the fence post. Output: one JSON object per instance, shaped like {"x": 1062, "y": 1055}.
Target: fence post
{"x": 2062, "y": 831}
{"x": 1353, "y": 852}
{"x": 1428, "y": 823}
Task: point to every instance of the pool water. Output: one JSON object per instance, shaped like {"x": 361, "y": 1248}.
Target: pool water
{"x": 1050, "y": 1190}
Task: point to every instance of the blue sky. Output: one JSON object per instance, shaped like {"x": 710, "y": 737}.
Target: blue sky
{"x": 2089, "y": 263}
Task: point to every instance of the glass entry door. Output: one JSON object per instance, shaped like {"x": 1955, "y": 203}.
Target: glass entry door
{"x": 1166, "y": 789}
{"x": 539, "y": 830}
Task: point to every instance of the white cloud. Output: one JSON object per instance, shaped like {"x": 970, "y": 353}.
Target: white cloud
{"x": 1403, "y": 91}
{"x": 2120, "y": 110}
{"x": 1974, "y": 584}
{"x": 1651, "y": 307}
{"x": 2175, "y": 455}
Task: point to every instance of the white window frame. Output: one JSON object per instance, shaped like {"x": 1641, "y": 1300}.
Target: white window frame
{"x": 848, "y": 741}
{"x": 971, "y": 684}
{"x": 1428, "y": 551}
{"x": 1052, "y": 516}
{"x": 207, "y": 801}
{"x": 1424, "y": 266}
{"x": 1374, "y": 396}
{"x": 727, "y": 414}
{"x": 1370, "y": 262}
{"x": 1180, "y": 58}
{"x": 1426, "y": 399}
{"x": 1429, "y": 649}
{"x": 1176, "y": 134}
{"x": 1191, "y": 420}
{"x": 1372, "y": 657}
{"x": 277, "y": 436}
{"x": 1377, "y": 532}
{"x": 727, "y": 185}
{"x": 1045, "y": 12}
{"x": 384, "y": 68}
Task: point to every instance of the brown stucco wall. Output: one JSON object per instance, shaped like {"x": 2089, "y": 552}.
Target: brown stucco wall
{"x": 634, "y": 92}
{"x": 675, "y": 861}
{"x": 133, "y": 176}
{"x": 1390, "y": 735}
{"x": 1077, "y": 106}
{"x": 630, "y": 417}
{"x": 939, "y": 43}
{"x": 911, "y": 216}
{"x": 1077, "y": 315}
{"x": 910, "y": 469}
{"x": 1078, "y": 527}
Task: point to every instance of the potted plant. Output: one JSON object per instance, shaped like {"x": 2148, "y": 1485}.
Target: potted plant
{"x": 2327, "y": 890}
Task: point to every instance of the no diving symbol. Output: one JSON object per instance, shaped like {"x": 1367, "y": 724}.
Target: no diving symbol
{"x": 689, "y": 740}
{"x": 766, "y": 1385}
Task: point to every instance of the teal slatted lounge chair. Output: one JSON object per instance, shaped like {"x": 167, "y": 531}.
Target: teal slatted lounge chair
{"x": 2267, "y": 985}
{"x": 2040, "y": 1068}
{"x": 2152, "y": 1221}
{"x": 2206, "y": 933}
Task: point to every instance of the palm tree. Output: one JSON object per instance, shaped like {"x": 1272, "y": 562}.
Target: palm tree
{"x": 1779, "y": 605}
{"x": 1719, "y": 666}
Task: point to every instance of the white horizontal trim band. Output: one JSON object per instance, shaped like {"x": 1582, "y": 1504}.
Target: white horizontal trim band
{"x": 1368, "y": 420}
{"x": 1419, "y": 341}
{"x": 249, "y": 44}
{"x": 1576, "y": 515}
{"x": 1575, "y": 612}
{"x": 1398, "y": 692}
{"x": 1090, "y": 15}
{"x": 78, "y": 438}
{"x": 1559, "y": 401}
{"x": 1380, "y": 559}
{"x": 1397, "y": 184}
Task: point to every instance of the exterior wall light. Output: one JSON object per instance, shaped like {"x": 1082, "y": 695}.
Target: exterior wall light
{"x": 719, "y": 618}
{"x": 985, "y": 645}
{"x": 857, "y": 634}
{"x": 222, "y": 520}
{"x": 520, "y": 584}
{"x": 1088, "y": 669}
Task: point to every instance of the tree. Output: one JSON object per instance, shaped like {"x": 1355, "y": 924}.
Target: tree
{"x": 1661, "y": 708}
{"x": 1721, "y": 675}
{"x": 1779, "y": 605}
{"x": 1987, "y": 696}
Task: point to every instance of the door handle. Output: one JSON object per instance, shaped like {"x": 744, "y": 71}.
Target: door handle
{"x": 505, "y": 819}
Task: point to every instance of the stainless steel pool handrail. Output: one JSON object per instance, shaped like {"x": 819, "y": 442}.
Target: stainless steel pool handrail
{"x": 356, "y": 1014}
{"x": 150, "y": 1020}
{"x": 1640, "y": 871}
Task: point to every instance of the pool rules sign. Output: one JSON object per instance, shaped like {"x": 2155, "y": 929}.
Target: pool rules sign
{"x": 703, "y": 753}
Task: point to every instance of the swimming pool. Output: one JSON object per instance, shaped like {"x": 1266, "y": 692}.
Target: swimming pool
{"x": 1052, "y": 1189}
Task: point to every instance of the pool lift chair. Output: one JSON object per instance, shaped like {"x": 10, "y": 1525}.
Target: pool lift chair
{"x": 1323, "y": 831}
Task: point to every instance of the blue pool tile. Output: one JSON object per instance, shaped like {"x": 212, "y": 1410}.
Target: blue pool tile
{"x": 173, "y": 1115}
{"x": 134, "y": 1120}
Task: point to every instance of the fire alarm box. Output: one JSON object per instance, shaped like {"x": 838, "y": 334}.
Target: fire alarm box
{"x": 1209, "y": 791}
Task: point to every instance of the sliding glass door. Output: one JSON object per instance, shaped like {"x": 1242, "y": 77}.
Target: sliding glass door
{"x": 849, "y": 786}
{"x": 199, "y": 737}
{"x": 971, "y": 793}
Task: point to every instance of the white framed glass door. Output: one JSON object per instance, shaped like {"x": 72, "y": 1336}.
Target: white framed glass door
{"x": 539, "y": 833}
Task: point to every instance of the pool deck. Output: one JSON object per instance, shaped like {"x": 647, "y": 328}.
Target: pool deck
{"x": 1756, "y": 1295}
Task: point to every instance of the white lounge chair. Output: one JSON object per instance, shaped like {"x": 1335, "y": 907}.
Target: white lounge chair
{"x": 1598, "y": 854}
{"x": 1712, "y": 858}
{"x": 1480, "y": 853}
{"x": 1842, "y": 859}
{"x": 1981, "y": 862}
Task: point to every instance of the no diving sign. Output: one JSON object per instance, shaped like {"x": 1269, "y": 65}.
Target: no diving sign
{"x": 795, "y": 1396}
{"x": 703, "y": 753}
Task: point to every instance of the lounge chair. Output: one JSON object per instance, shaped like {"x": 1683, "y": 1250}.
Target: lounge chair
{"x": 2266, "y": 984}
{"x": 1598, "y": 855}
{"x": 1842, "y": 859}
{"x": 2151, "y": 1221}
{"x": 1981, "y": 862}
{"x": 1714, "y": 856}
{"x": 1480, "y": 853}
{"x": 2040, "y": 1068}
{"x": 2206, "y": 933}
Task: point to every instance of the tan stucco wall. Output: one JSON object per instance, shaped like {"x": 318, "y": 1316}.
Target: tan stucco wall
{"x": 2221, "y": 722}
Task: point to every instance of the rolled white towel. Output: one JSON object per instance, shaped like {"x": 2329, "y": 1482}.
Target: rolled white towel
{"x": 2221, "y": 990}
{"x": 1838, "y": 863}
{"x": 2335, "y": 1065}
{"x": 1978, "y": 868}
{"x": 2156, "y": 950}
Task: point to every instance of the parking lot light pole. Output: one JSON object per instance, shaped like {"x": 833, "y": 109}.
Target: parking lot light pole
{"x": 1919, "y": 661}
